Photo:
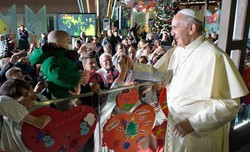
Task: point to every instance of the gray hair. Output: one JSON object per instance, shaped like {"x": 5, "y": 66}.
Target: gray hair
{"x": 149, "y": 34}
{"x": 190, "y": 20}
{"x": 103, "y": 55}
{"x": 107, "y": 46}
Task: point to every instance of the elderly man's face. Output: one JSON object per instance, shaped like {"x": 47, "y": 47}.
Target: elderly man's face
{"x": 180, "y": 32}
{"x": 106, "y": 62}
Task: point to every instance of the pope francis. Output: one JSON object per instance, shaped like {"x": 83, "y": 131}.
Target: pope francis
{"x": 203, "y": 88}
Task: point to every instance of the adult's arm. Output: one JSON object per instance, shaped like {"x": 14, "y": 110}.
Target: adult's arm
{"x": 215, "y": 114}
{"x": 158, "y": 72}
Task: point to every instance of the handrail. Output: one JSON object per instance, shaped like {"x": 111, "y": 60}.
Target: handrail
{"x": 125, "y": 87}
{"x": 48, "y": 102}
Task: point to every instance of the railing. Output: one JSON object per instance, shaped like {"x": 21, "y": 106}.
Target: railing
{"x": 88, "y": 94}
{"x": 100, "y": 95}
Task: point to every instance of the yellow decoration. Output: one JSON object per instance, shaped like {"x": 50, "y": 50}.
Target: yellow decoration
{"x": 3, "y": 26}
{"x": 159, "y": 132}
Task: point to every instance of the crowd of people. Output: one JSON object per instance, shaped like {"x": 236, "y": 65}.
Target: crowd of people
{"x": 53, "y": 70}
{"x": 200, "y": 107}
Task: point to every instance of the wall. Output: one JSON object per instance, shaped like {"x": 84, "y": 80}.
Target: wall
{"x": 53, "y": 6}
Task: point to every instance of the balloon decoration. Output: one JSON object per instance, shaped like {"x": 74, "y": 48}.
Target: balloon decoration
{"x": 126, "y": 101}
{"x": 163, "y": 101}
{"x": 140, "y": 5}
{"x": 129, "y": 130}
{"x": 159, "y": 131}
{"x": 67, "y": 131}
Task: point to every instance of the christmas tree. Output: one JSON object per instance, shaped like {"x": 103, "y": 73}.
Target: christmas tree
{"x": 165, "y": 10}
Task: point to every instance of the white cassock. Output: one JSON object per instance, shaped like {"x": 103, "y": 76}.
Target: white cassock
{"x": 204, "y": 86}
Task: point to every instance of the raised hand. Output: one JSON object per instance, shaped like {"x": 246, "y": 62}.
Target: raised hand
{"x": 40, "y": 86}
{"x": 77, "y": 90}
{"x": 14, "y": 58}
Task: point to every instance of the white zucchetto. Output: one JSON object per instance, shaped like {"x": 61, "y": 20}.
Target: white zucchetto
{"x": 192, "y": 13}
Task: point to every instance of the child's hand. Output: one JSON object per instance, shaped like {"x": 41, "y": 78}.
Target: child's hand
{"x": 85, "y": 76}
{"x": 77, "y": 90}
{"x": 39, "y": 86}
{"x": 42, "y": 121}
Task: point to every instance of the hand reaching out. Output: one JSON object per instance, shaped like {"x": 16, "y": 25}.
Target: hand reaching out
{"x": 85, "y": 76}
{"x": 42, "y": 121}
{"x": 77, "y": 90}
{"x": 95, "y": 87}
{"x": 37, "y": 121}
{"x": 39, "y": 86}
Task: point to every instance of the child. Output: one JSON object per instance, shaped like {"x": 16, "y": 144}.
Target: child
{"x": 57, "y": 66}
{"x": 16, "y": 97}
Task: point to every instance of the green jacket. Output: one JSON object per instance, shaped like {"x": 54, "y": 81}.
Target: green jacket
{"x": 59, "y": 70}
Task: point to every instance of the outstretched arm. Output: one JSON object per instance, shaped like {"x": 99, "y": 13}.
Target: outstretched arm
{"x": 38, "y": 122}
